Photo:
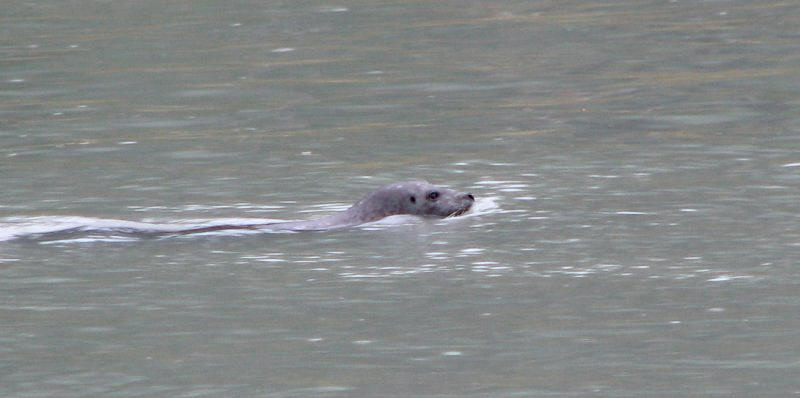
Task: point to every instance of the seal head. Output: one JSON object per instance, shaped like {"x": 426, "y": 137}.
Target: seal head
{"x": 418, "y": 198}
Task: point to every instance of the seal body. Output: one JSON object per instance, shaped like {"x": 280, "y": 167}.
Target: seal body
{"x": 418, "y": 198}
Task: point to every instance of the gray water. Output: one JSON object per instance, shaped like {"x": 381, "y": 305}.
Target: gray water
{"x": 636, "y": 164}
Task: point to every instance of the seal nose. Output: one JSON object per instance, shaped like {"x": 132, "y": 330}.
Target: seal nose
{"x": 468, "y": 196}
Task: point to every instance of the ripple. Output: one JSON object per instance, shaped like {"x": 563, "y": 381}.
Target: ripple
{"x": 728, "y": 278}
{"x": 333, "y": 9}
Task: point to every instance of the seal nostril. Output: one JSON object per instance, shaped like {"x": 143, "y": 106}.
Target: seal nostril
{"x": 472, "y": 198}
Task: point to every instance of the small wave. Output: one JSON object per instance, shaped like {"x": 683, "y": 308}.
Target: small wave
{"x": 485, "y": 205}
{"x": 54, "y": 228}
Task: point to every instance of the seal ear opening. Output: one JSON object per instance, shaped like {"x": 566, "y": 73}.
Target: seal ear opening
{"x": 412, "y": 199}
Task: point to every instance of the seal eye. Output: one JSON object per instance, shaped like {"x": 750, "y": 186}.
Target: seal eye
{"x": 413, "y": 199}
{"x": 433, "y": 195}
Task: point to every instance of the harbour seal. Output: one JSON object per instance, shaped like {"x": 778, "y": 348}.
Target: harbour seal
{"x": 418, "y": 198}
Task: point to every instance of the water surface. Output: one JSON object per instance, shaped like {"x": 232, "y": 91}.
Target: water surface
{"x": 637, "y": 164}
